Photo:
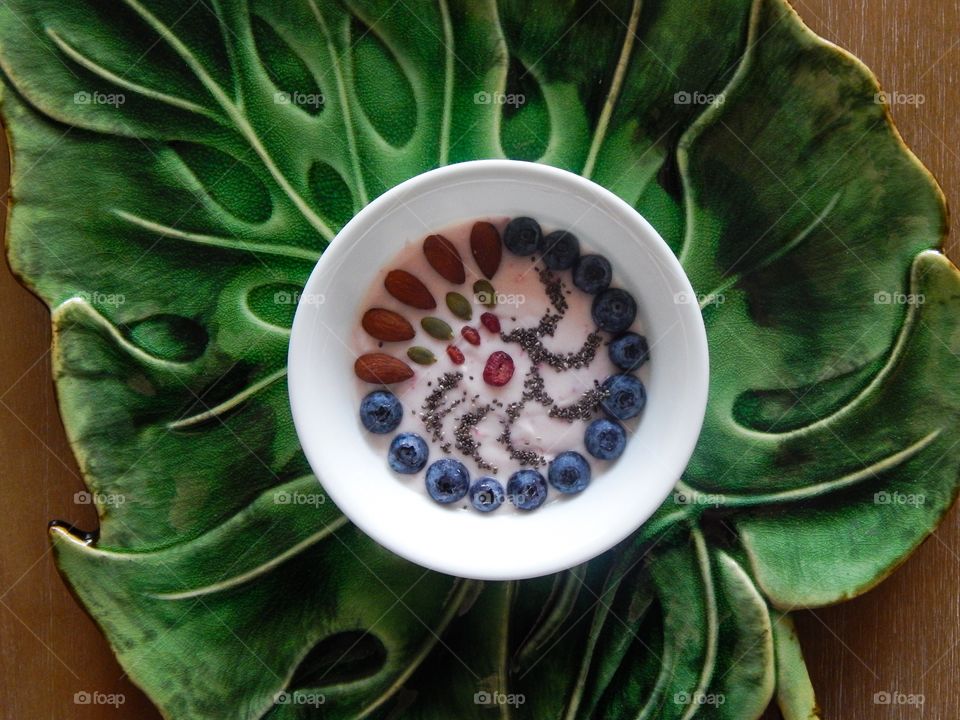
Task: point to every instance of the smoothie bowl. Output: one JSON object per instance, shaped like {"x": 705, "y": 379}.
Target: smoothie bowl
{"x": 504, "y": 372}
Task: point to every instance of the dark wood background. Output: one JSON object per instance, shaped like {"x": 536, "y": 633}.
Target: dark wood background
{"x": 902, "y": 637}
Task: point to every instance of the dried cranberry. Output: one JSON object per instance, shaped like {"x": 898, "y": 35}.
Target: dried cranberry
{"x": 470, "y": 335}
{"x": 456, "y": 354}
{"x": 499, "y": 369}
{"x": 491, "y": 322}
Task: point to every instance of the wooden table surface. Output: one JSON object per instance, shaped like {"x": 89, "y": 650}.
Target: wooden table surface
{"x": 902, "y": 637}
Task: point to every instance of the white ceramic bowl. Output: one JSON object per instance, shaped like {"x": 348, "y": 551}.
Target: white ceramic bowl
{"x": 498, "y": 546}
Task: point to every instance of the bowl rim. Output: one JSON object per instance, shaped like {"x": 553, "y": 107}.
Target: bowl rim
{"x": 354, "y": 232}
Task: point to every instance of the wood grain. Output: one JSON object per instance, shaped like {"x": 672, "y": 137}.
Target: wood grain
{"x": 903, "y": 637}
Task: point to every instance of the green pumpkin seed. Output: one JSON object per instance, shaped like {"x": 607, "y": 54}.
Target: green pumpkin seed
{"x": 437, "y": 328}
{"x": 484, "y": 293}
{"x": 459, "y": 305}
{"x": 421, "y": 355}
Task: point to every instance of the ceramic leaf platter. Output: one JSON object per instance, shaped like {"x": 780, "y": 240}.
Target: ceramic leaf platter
{"x": 179, "y": 167}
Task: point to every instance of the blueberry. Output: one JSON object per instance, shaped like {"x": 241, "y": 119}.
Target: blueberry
{"x": 486, "y": 494}
{"x": 527, "y": 489}
{"x": 605, "y": 439}
{"x": 629, "y": 351}
{"x": 408, "y": 453}
{"x": 560, "y": 250}
{"x": 614, "y": 310}
{"x": 447, "y": 480}
{"x": 626, "y": 398}
{"x": 522, "y": 236}
{"x": 569, "y": 472}
{"x": 592, "y": 274}
{"x": 381, "y": 412}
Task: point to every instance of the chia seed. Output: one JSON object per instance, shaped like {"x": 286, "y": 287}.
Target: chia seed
{"x": 584, "y": 408}
{"x": 530, "y": 341}
{"x": 533, "y": 389}
{"x": 555, "y": 289}
{"x": 523, "y": 457}
{"x": 435, "y": 408}
{"x": 464, "y": 440}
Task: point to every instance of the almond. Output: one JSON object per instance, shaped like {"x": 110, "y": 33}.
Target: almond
{"x": 387, "y": 325}
{"x": 381, "y": 369}
{"x": 444, "y": 258}
{"x": 486, "y": 248}
{"x": 409, "y": 290}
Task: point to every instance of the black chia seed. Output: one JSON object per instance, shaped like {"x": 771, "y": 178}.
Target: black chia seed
{"x": 555, "y": 289}
{"x": 532, "y": 390}
{"x": 466, "y": 443}
{"x": 435, "y": 408}
{"x": 531, "y": 342}
{"x": 584, "y": 408}
{"x": 524, "y": 457}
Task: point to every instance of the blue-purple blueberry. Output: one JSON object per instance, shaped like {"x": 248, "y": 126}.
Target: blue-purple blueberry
{"x": 614, "y": 310}
{"x": 605, "y": 439}
{"x": 381, "y": 412}
{"x": 559, "y": 250}
{"x": 569, "y": 472}
{"x": 592, "y": 274}
{"x": 486, "y": 494}
{"x": 629, "y": 351}
{"x": 522, "y": 236}
{"x": 408, "y": 453}
{"x": 527, "y": 489}
{"x": 447, "y": 480}
{"x": 626, "y": 396}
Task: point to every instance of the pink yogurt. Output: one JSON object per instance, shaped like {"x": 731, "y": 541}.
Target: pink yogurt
{"x": 521, "y": 302}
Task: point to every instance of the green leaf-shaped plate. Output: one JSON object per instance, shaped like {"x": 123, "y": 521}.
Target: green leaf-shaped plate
{"x": 178, "y": 168}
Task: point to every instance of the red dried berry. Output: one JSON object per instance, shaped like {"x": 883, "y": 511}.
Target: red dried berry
{"x": 470, "y": 335}
{"x": 499, "y": 369}
{"x": 491, "y": 322}
{"x": 456, "y": 354}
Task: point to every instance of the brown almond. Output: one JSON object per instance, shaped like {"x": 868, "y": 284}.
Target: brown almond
{"x": 409, "y": 290}
{"x": 486, "y": 248}
{"x": 387, "y": 325}
{"x": 444, "y": 258}
{"x": 381, "y": 369}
